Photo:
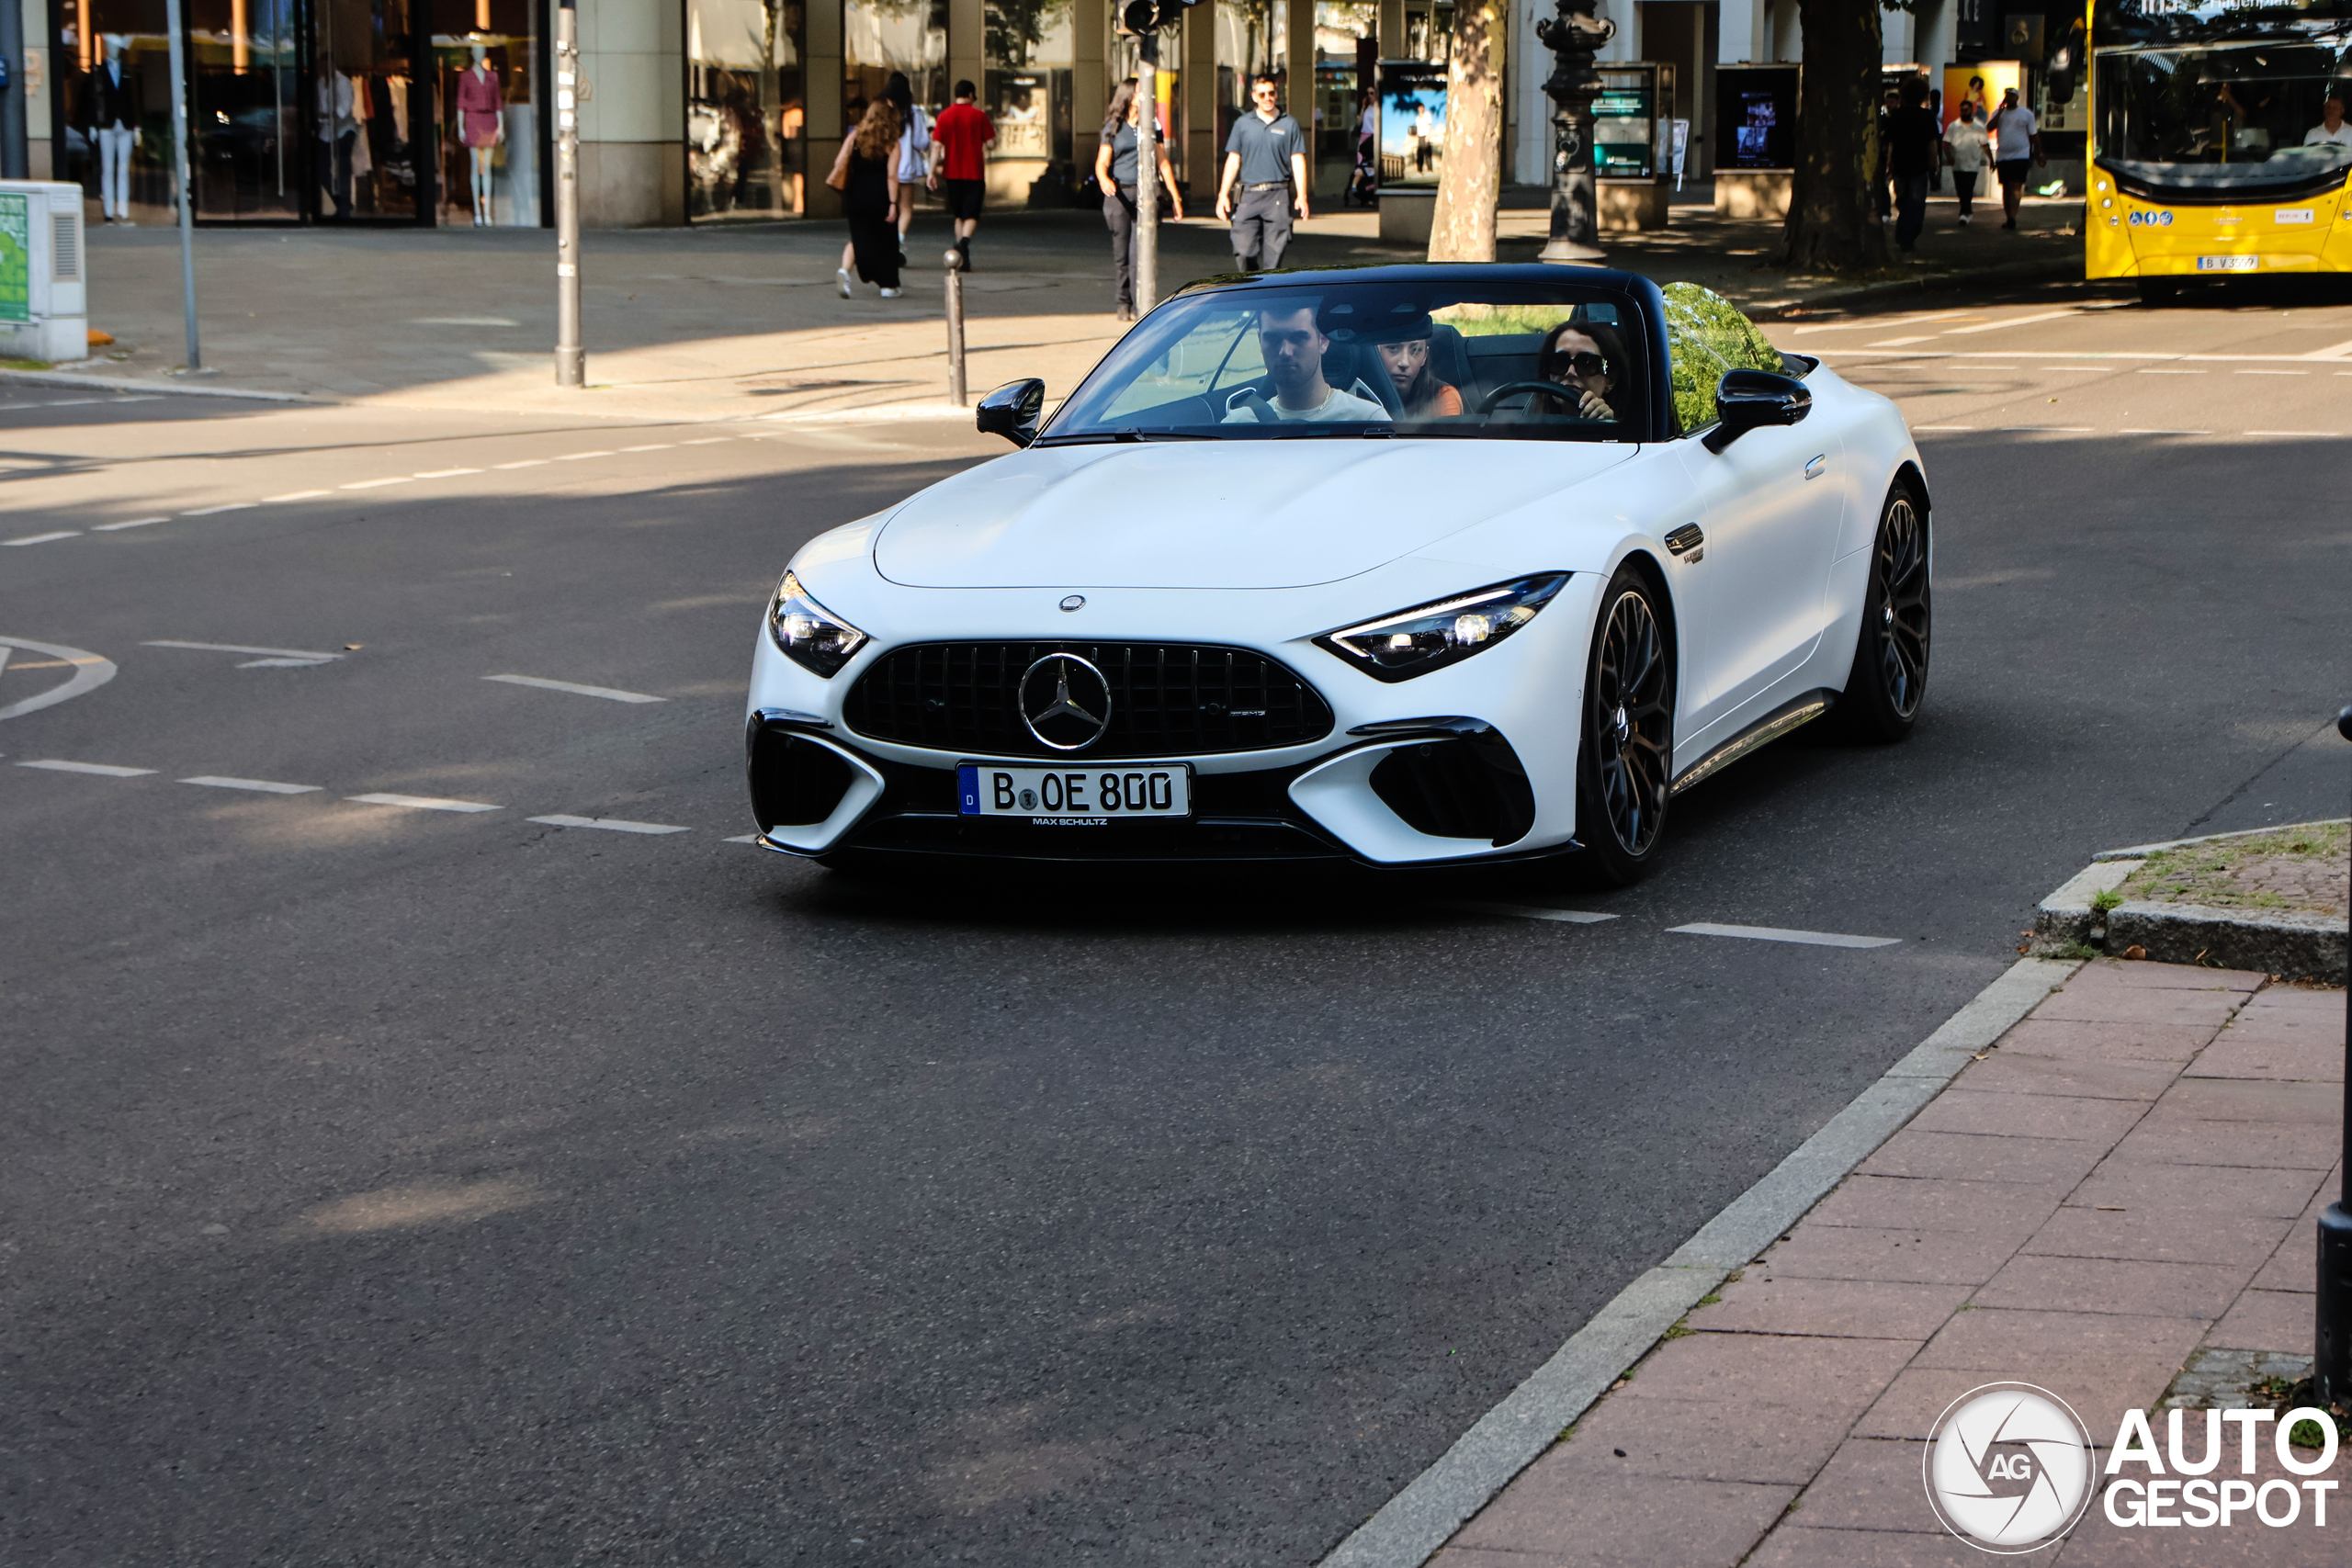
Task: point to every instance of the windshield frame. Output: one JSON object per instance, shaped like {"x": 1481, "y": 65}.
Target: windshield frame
{"x": 1647, "y": 420}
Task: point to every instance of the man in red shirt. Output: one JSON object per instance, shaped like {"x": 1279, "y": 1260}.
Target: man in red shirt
{"x": 963, "y": 133}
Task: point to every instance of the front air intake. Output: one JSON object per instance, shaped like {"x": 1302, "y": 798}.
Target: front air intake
{"x": 1469, "y": 788}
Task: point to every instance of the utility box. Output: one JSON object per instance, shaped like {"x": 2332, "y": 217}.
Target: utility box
{"x": 44, "y": 293}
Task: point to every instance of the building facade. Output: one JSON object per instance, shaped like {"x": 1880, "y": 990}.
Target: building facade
{"x": 706, "y": 111}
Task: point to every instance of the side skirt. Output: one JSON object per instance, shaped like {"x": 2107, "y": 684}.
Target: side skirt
{"x": 1789, "y": 715}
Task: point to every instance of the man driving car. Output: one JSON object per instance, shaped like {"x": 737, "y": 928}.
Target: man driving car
{"x": 1294, "y": 344}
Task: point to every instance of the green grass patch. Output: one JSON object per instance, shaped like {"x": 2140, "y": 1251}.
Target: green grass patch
{"x": 2201, "y": 873}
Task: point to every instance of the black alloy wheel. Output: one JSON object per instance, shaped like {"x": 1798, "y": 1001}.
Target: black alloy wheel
{"x": 1889, "y": 680}
{"x": 1623, "y": 767}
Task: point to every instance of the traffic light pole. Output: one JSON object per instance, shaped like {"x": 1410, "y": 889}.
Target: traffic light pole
{"x": 2332, "y": 1366}
{"x": 570, "y": 359}
{"x": 1147, "y": 172}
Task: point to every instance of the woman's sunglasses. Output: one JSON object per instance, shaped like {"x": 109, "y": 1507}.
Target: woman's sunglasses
{"x": 1582, "y": 363}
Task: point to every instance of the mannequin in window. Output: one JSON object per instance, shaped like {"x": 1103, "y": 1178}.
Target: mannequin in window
{"x": 482, "y": 125}
{"x": 111, "y": 99}
{"x": 338, "y": 128}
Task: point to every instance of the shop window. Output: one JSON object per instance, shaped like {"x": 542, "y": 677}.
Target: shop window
{"x": 882, "y": 35}
{"x": 1341, "y": 29}
{"x": 746, "y": 143}
{"x": 132, "y": 150}
{"x": 486, "y": 55}
{"x": 1124, "y": 59}
{"x": 1028, "y": 49}
{"x": 1252, "y": 38}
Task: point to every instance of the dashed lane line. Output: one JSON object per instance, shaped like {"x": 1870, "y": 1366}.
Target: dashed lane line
{"x": 225, "y": 506}
{"x": 578, "y": 457}
{"x": 103, "y": 770}
{"x": 238, "y": 648}
{"x": 610, "y": 693}
{"x": 525, "y": 463}
{"x": 45, "y": 538}
{"x": 706, "y": 441}
{"x": 610, "y": 824}
{"x": 294, "y": 495}
{"x": 442, "y": 473}
{"x": 652, "y": 446}
{"x": 134, "y": 523}
{"x": 266, "y": 786}
{"x": 374, "y": 484}
{"x": 1529, "y": 912}
{"x": 1775, "y": 933}
{"x": 422, "y": 802}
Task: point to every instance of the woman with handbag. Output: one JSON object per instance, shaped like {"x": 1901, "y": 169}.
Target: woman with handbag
{"x": 866, "y": 174}
{"x": 1115, "y": 172}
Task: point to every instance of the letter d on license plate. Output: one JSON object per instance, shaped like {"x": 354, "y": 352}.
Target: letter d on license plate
{"x": 1074, "y": 797}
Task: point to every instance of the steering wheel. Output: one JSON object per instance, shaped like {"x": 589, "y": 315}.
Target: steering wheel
{"x": 1572, "y": 396}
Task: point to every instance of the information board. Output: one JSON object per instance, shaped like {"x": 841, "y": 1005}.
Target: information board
{"x": 16, "y": 256}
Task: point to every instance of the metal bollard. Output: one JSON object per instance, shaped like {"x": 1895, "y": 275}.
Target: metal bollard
{"x": 955, "y": 329}
{"x": 2332, "y": 1367}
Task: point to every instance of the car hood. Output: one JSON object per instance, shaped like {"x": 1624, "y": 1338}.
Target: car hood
{"x": 1215, "y": 514}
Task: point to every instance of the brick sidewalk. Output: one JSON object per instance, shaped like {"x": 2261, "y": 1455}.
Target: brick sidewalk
{"x": 2126, "y": 1185}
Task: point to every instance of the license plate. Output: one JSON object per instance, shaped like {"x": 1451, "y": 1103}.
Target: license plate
{"x": 2228, "y": 264}
{"x": 1074, "y": 797}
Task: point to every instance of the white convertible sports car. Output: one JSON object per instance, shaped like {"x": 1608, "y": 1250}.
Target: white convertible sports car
{"x": 1409, "y": 565}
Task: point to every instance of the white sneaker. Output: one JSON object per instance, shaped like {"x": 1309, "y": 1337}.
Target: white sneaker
{"x": 1964, "y": 219}
{"x": 840, "y": 279}
{"x": 891, "y": 293}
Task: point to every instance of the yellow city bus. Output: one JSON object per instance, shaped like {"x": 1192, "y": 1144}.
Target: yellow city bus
{"x": 2210, "y": 152}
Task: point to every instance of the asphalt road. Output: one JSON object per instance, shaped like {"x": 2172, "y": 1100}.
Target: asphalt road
{"x": 399, "y": 1184}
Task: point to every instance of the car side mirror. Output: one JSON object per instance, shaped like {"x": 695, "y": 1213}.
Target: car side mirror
{"x": 1012, "y": 411}
{"x": 1745, "y": 400}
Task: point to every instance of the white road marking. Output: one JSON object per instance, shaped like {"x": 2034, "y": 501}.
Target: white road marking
{"x": 653, "y": 446}
{"x": 90, "y": 672}
{"x": 294, "y": 495}
{"x": 1774, "y": 934}
{"x": 2012, "y": 321}
{"x": 608, "y": 692}
{"x": 267, "y": 786}
{"x": 142, "y": 398}
{"x": 525, "y": 463}
{"x": 422, "y": 802}
{"x": 374, "y": 484}
{"x": 615, "y": 824}
{"x": 134, "y": 523}
{"x": 225, "y": 506}
{"x": 2130, "y": 430}
{"x": 279, "y": 663}
{"x": 234, "y": 648}
{"x": 2169, "y": 372}
{"x": 2337, "y": 351}
{"x": 1898, "y": 341}
{"x": 103, "y": 770}
{"x": 1529, "y": 912}
{"x": 2046, "y": 429}
{"x": 44, "y": 539}
{"x": 706, "y": 441}
{"x": 2269, "y": 372}
{"x": 443, "y": 473}
{"x": 575, "y": 457}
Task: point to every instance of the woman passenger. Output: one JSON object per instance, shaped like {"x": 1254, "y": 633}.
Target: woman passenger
{"x": 1590, "y": 358}
{"x": 1405, "y": 355}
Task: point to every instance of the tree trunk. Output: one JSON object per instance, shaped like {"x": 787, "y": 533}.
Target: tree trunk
{"x": 1469, "y": 187}
{"x": 1834, "y": 224}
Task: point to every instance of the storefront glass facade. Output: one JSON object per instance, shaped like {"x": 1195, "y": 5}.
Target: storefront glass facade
{"x": 882, "y": 35}
{"x": 1252, "y": 37}
{"x": 746, "y": 108}
{"x": 1028, "y": 48}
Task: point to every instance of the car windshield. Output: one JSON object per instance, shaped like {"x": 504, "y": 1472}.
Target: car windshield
{"x": 1441, "y": 358}
{"x": 2227, "y": 119}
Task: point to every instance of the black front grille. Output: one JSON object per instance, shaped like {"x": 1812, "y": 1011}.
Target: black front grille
{"x": 1167, "y": 699}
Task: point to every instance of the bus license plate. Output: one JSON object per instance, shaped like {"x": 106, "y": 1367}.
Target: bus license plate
{"x": 2228, "y": 264}
{"x": 1074, "y": 797}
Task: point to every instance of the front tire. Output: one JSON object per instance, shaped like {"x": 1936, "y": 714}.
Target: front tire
{"x": 1889, "y": 680}
{"x": 1625, "y": 759}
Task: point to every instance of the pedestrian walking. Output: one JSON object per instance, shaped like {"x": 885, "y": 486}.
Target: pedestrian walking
{"x": 866, "y": 174}
{"x": 1116, "y": 167}
{"x": 1882, "y": 184}
{"x": 917, "y": 152}
{"x": 963, "y": 133}
{"x": 1966, "y": 150}
{"x": 1268, "y": 153}
{"x": 1912, "y": 150}
{"x": 2016, "y": 146}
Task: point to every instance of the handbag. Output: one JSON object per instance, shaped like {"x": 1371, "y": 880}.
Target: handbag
{"x": 839, "y": 178}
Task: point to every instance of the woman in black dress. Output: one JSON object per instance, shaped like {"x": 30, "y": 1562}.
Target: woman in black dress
{"x": 869, "y": 167}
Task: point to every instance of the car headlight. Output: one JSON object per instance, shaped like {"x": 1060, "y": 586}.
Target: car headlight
{"x": 1414, "y": 642}
{"x": 810, "y": 635}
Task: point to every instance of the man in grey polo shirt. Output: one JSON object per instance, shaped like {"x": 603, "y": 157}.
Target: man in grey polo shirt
{"x": 1268, "y": 152}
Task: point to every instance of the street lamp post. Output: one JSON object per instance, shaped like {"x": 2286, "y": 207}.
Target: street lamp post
{"x": 570, "y": 359}
{"x": 1572, "y": 36}
{"x": 2332, "y": 1368}
{"x": 1147, "y": 248}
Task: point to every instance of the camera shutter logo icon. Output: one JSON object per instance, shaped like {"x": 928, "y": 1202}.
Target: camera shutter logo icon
{"x": 2009, "y": 1468}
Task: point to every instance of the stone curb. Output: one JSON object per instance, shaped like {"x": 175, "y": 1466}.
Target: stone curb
{"x": 1410, "y": 1528}
{"x": 2038, "y": 270}
{"x": 142, "y": 384}
{"x": 2284, "y": 943}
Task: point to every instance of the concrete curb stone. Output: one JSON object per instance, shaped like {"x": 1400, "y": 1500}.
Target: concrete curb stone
{"x": 2287, "y": 943}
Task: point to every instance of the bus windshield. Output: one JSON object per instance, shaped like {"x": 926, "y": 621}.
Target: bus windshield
{"x": 2245, "y": 118}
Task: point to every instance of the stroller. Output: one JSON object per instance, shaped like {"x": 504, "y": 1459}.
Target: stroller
{"x": 1363, "y": 183}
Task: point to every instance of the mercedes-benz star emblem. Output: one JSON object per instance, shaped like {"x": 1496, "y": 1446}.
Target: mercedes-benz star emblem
{"x": 1075, "y": 602}
{"x": 1066, "y": 702}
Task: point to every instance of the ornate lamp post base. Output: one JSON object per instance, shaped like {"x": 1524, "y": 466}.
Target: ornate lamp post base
{"x": 1572, "y": 36}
